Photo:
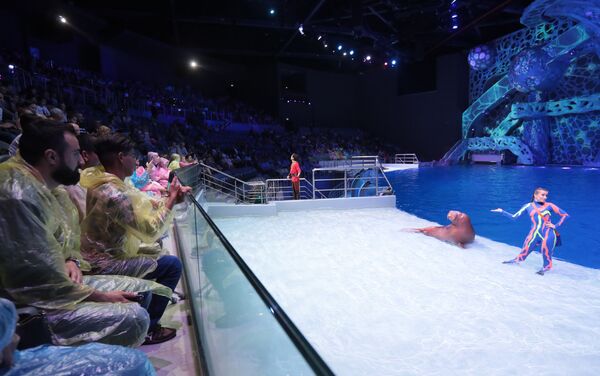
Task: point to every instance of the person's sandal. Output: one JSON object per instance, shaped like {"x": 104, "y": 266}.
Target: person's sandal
{"x": 159, "y": 334}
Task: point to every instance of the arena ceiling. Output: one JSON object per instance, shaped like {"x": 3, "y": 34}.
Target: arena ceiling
{"x": 404, "y": 29}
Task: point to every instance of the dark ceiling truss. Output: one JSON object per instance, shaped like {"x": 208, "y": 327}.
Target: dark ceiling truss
{"x": 399, "y": 28}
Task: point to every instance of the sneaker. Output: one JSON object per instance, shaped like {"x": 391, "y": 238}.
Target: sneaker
{"x": 513, "y": 261}
{"x": 542, "y": 271}
{"x": 159, "y": 335}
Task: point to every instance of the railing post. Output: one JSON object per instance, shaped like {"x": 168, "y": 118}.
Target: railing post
{"x": 313, "y": 184}
{"x": 345, "y": 183}
{"x": 376, "y": 170}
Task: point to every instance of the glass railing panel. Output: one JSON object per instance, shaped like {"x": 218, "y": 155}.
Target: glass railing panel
{"x": 239, "y": 333}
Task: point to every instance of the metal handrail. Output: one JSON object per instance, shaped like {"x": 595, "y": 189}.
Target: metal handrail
{"x": 313, "y": 359}
{"x": 272, "y": 189}
{"x": 241, "y": 191}
{"x": 406, "y": 158}
{"x": 346, "y": 180}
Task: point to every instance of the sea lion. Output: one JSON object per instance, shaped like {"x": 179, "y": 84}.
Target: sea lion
{"x": 460, "y": 231}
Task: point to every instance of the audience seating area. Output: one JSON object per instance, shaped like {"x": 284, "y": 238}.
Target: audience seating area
{"x": 162, "y": 121}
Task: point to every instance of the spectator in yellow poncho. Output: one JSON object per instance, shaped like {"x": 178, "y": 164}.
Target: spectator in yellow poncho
{"x": 33, "y": 258}
{"x": 120, "y": 218}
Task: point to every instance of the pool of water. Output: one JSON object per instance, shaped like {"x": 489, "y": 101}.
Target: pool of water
{"x": 430, "y": 192}
{"x": 375, "y": 300}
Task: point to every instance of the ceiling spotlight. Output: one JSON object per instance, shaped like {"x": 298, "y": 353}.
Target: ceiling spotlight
{"x": 339, "y": 47}
{"x": 454, "y": 15}
{"x": 368, "y": 58}
{"x": 386, "y": 64}
{"x": 231, "y": 85}
{"x": 62, "y": 19}
{"x": 351, "y": 52}
{"x": 301, "y": 29}
{"x": 454, "y": 27}
{"x": 271, "y": 11}
{"x": 319, "y": 37}
{"x": 11, "y": 67}
{"x": 345, "y": 54}
{"x": 325, "y": 45}
{"x": 193, "y": 64}
{"x": 394, "y": 62}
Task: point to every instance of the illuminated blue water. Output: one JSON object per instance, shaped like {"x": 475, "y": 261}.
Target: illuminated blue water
{"x": 429, "y": 192}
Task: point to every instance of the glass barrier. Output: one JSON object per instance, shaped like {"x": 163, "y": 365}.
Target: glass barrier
{"x": 240, "y": 327}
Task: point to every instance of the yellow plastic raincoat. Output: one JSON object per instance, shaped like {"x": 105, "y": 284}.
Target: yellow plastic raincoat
{"x": 69, "y": 232}
{"x": 174, "y": 165}
{"x": 35, "y": 239}
{"x": 119, "y": 219}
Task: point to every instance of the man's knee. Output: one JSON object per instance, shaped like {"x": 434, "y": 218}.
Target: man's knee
{"x": 134, "y": 325}
{"x": 171, "y": 264}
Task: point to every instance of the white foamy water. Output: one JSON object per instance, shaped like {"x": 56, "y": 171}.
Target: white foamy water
{"x": 374, "y": 300}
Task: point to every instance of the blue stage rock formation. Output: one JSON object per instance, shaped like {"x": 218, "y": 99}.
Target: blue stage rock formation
{"x": 540, "y": 85}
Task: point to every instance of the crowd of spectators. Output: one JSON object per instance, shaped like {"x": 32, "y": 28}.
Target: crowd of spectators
{"x": 83, "y": 249}
{"x": 119, "y": 106}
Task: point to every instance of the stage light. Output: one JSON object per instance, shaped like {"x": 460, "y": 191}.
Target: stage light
{"x": 344, "y": 54}
{"x": 452, "y": 2}
{"x": 62, "y": 19}
{"x": 193, "y": 64}
{"x": 301, "y": 29}
{"x": 394, "y": 62}
{"x": 351, "y": 52}
{"x": 368, "y": 58}
{"x": 325, "y": 45}
{"x": 11, "y": 67}
{"x": 454, "y": 15}
{"x": 271, "y": 11}
{"x": 454, "y": 27}
{"x": 231, "y": 85}
{"x": 386, "y": 64}
{"x": 319, "y": 37}
{"x": 339, "y": 47}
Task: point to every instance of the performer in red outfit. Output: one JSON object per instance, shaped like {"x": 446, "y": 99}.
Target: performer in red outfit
{"x": 294, "y": 176}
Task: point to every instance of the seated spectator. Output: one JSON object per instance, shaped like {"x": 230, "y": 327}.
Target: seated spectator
{"x": 76, "y": 192}
{"x": 160, "y": 173}
{"x": 119, "y": 218}
{"x": 90, "y": 359}
{"x": 32, "y": 261}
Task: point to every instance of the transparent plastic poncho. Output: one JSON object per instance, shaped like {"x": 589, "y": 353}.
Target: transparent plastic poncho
{"x": 35, "y": 239}
{"x": 69, "y": 231}
{"x": 119, "y": 219}
{"x": 32, "y": 260}
{"x": 90, "y": 359}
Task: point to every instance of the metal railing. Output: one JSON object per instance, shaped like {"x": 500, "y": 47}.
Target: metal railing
{"x": 203, "y": 176}
{"x": 358, "y": 176}
{"x": 359, "y": 161}
{"x": 408, "y": 158}
{"x": 281, "y": 189}
{"x": 373, "y": 177}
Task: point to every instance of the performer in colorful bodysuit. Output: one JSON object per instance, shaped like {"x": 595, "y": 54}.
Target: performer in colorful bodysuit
{"x": 543, "y": 231}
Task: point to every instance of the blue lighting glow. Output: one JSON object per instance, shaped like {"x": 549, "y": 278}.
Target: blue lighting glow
{"x": 394, "y": 62}
{"x": 271, "y": 11}
{"x": 454, "y": 15}
{"x": 351, "y": 52}
{"x": 454, "y": 27}
{"x": 339, "y": 47}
